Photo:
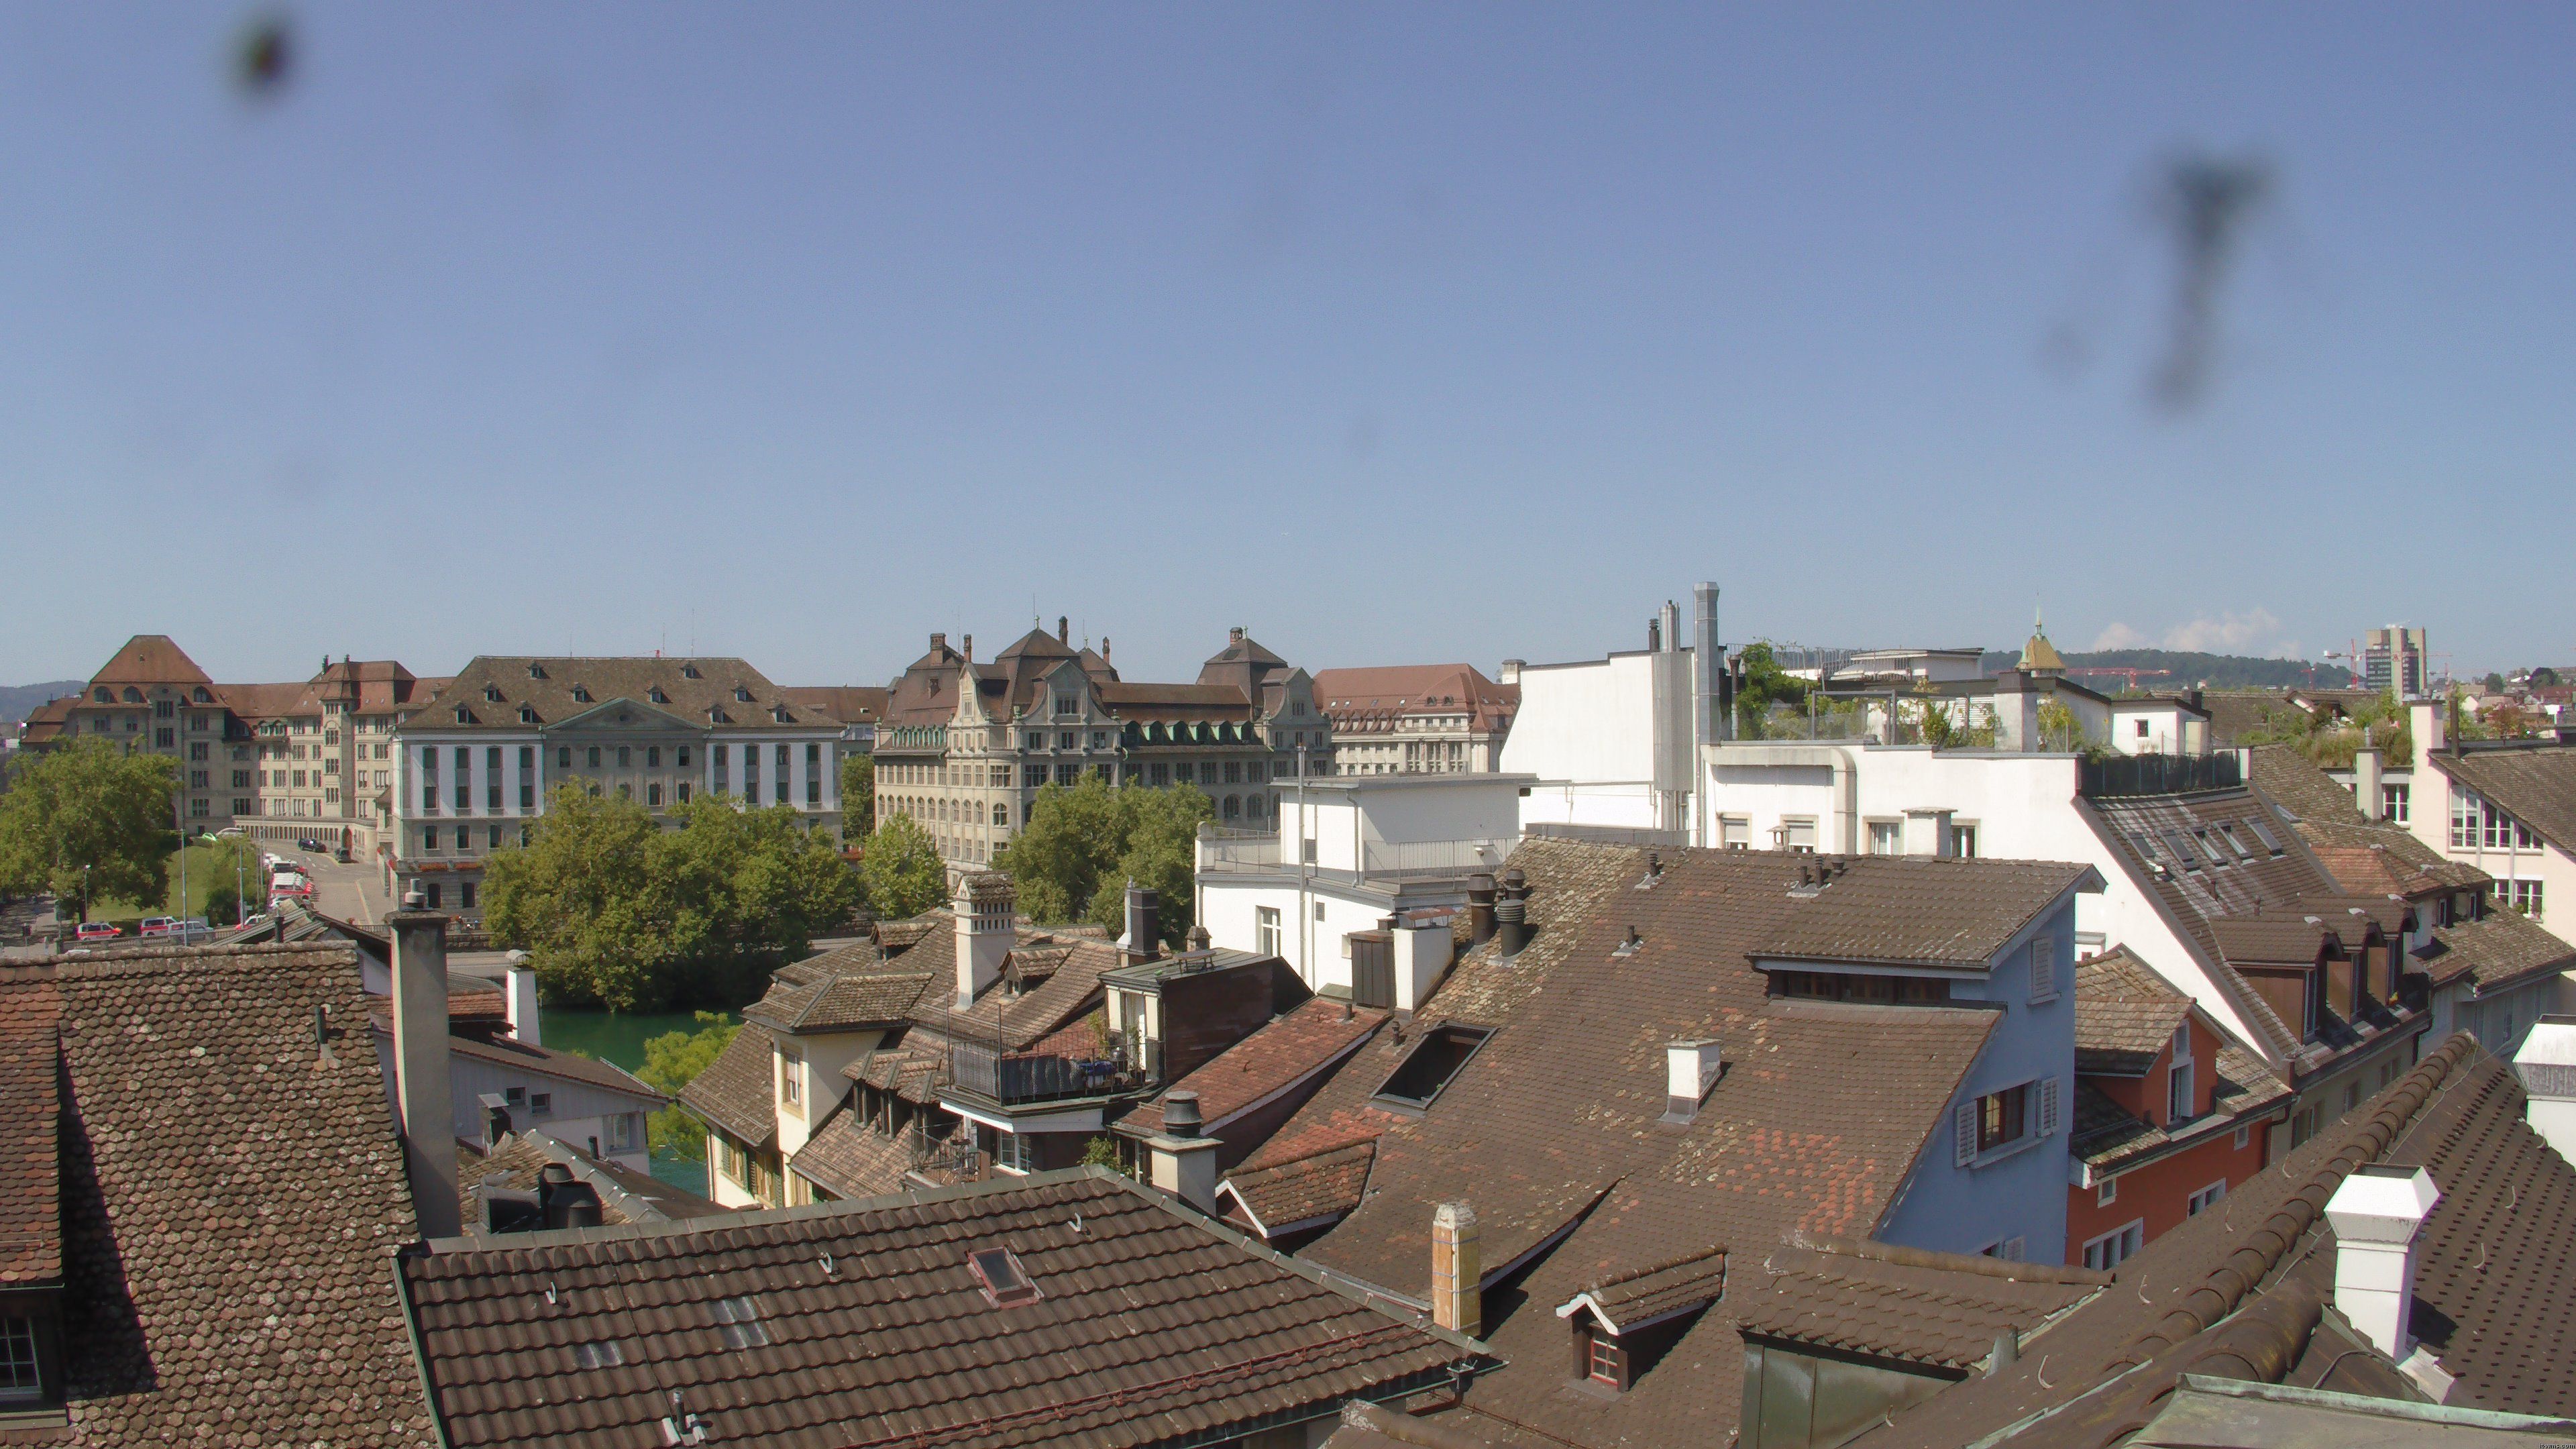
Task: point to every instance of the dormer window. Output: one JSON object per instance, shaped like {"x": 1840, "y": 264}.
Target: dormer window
{"x": 527, "y": 715}
{"x": 716, "y": 715}
{"x": 464, "y": 715}
{"x": 492, "y": 694}
{"x": 581, "y": 694}
{"x": 103, "y": 696}
{"x": 536, "y": 670}
{"x": 656, "y": 695}
{"x": 133, "y": 695}
{"x": 741, "y": 694}
{"x": 688, "y": 671}
{"x": 779, "y": 713}
{"x": 201, "y": 697}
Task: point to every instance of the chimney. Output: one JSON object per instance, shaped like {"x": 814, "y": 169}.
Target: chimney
{"x": 496, "y": 1119}
{"x": 2428, "y": 720}
{"x": 1063, "y": 629}
{"x": 1178, "y": 1160}
{"x": 1144, "y": 925}
{"x": 1234, "y": 635}
{"x": 1457, "y": 1271}
{"x": 2365, "y": 784}
{"x": 1655, "y": 636}
{"x": 2546, "y": 1064}
{"x": 1690, "y": 1069}
{"x": 420, "y": 1066}
{"x": 969, "y": 651}
{"x": 1511, "y": 914}
{"x": 938, "y": 642}
{"x": 2376, "y": 1214}
{"x": 519, "y": 986}
{"x": 1511, "y": 671}
{"x": 565, "y": 1201}
{"x": 1668, "y": 626}
{"x": 1198, "y": 939}
{"x": 1715, "y": 715}
{"x": 1480, "y": 909}
{"x": 983, "y": 910}
{"x": 1104, "y": 648}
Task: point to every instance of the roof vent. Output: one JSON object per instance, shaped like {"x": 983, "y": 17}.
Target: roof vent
{"x": 1690, "y": 1069}
{"x": 1006, "y": 1284}
{"x": 1654, "y": 872}
{"x": 1181, "y": 1114}
{"x": 1629, "y": 946}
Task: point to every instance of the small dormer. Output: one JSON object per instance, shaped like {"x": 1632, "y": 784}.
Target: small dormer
{"x": 581, "y": 694}
{"x": 491, "y": 694}
{"x": 464, "y": 715}
{"x": 688, "y": 671}
{"x": 536, "y": 670}
{"x": 779, "y": 713}
{"x": 527, "y": 715}
{"x": 133, "y": 695}
{"x": 741, "y": 694}
{"x": 201, "y": 696}
{"x": 656, "y": 695}
{"x": 716, "y": 715}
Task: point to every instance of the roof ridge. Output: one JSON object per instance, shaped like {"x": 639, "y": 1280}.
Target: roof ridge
{"x": 1630, "y": 1276}
{"x": 2245, "y": 1268}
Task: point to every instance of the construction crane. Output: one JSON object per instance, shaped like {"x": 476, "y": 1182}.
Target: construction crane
{"x": 2128, "y": 677}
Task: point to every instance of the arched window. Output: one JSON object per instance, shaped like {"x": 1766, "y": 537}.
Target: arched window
{"x": 1233, "y": 807}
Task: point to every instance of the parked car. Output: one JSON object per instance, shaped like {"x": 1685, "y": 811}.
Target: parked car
{"x": 99, "y": 931}
{"x": 230, "y": 832}
{"x": 308, "y": 843}
{"x": 155, "y": 925}
{"x": 188, "y": 933}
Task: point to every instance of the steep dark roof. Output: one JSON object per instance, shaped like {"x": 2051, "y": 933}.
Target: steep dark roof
{"x": 231, "y": 1194}
{"x": 871, "y": 1326}
{"x": 2535, "y": 784}
{"x": 31, "y": 1229}
{"x": 2507, "y": 1198}
{"x": 607, "y": 681}
{"x": 737, "y": 1091}
{"x": 1940, "y": 1309}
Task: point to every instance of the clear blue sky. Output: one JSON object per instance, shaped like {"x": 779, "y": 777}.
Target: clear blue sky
{"x": 1397, "y": 333}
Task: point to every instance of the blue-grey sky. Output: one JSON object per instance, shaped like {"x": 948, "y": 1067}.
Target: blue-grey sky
{"x": 1394, "y": 333}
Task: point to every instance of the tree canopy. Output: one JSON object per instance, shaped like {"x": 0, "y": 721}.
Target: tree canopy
{"x": 858, "y": 796}
{"x": 1085, "y": 842}
{"x": 2331, "y": 736}
{"x": 672, "y": 1061}
{"x": 91, "y": 805}
{"x": 1762, "y": 683}
{"x": 901, "y": 871}
{"x": 615, "y": 911}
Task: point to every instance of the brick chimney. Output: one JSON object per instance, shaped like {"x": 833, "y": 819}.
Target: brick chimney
{"x": 1063, "y": 630}
{"x": 1457, "y": 1270}
{"x": 420, "y": 1066}
{"x": 983, "y": 906}
{"x": 2377, "y": 1214}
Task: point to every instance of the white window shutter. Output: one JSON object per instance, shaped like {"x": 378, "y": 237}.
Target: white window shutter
{"x": 2048, "y": 1107}
{"x": 2043, "y": 970}
{"x": 1964, "y": 1148}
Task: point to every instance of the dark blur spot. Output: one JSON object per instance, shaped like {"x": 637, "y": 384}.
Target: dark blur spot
{"x": 2205, "y": 203}
{"x": 264, "y": 56}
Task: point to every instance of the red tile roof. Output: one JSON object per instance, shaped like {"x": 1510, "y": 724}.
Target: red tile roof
{"x": 31, "y": 1232}
{"x": 1940, "y": 1309}
{"x": 150, "y": 659}
{"x": 1291, "y": 1048}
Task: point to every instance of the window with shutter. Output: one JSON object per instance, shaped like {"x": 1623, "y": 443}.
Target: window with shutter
{"x": 2043, "y": 970}
{"x": 1963, "y": 1133}
{"x": 2048, "y": 1107}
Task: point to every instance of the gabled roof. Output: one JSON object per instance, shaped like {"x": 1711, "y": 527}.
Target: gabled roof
{"x": 552, "y": 688}
{"x": 1939, "y": 1309}
{"x": 866, "y": 1322}
{"x": 1914, "y": 910}
{"x": 150, "y": 659}
{"x": 511, "y": 1055}
{"x": 625, "y": 1195}
{"x": 2125, "y": 1015}
{"x": 1383, "y": 694}
{"x": 1294, "y": 1192}
{"x": 1634, "y": 1299}
{"x": 2501, "y": 950}
{"x": 1289, "y": 1049}
{"x": 231, "y": 1192}
{"x": 850, "y": 704}
{"x": 852, "y": 1159}
{"x": 2365, "y": 856}
{"x": 2535, "y": 784}
{"x": 737, "y": 1092}
{"x": 848, "y": 989}
{"x": 2254, "y": 1276}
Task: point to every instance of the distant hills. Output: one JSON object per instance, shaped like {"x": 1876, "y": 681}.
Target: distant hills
{"x": 17, "y": 701}
{"x": 2185, "y": 670}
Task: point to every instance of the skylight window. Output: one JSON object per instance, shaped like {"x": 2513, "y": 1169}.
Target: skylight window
{"x": 1433, "y": 1063}
{"x": 1006, "y": 1284}
{"x": 739, "y": 1321}
{"x": 2234, "y": 841}
{"x": 2264, "y": 833}
{"x": 2182, "y": 850}
{"x": 2216, "y": 855}
{"x": 598, "y": 1355}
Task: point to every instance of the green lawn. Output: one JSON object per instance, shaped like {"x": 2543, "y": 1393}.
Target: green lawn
{"x": 206, "y": 863}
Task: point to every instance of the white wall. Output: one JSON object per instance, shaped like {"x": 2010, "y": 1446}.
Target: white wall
{"x": 1618, "y": 730}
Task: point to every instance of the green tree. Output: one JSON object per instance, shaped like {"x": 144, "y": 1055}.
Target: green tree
{"x": 858, "y": 796}
{"x": 672, "y": 1061}
{"x": 2495, "y": 682}
{"x": 900, "y": 871}
{"x": 2059, "y": 729}
{"x": 1762, "y": 683}
{"x": 2544, "y": 678}
{"x": 236, "y": 864}
{"x": 615, "y": 911}
{"x": 88, "y": 818}
{"x": 1085, "y": 842}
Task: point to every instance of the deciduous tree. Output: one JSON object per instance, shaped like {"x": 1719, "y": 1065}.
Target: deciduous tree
{"x": 858, "y": 797}
{"x": 1085, "y": 842}
{"x": 88, "y": 818}
{"x": 672, "y": 1061}
{"x": 900, "y": 871}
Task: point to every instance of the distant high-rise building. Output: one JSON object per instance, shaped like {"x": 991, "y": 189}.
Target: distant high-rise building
{"x": 2393, "y": 658}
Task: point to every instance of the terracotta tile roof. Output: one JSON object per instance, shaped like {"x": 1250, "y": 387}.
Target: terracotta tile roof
{"x": 607, "y": 681}
{"x": 738, "y": 1090}
{"x": 2365, "y": 857}
{"x": 1914, "y": 911}
{"x": 2535, "y": 784}
{"x": 31, "y": 1228}
{"x": 865, "y": 1324}
{"x": 2507, "y": 1197}
{"x": 1354, "y": 697}
{"x": 150, "y": 659}
{"x": 851, "y": 1158}
{"x": 847, "y": 703}
{"x": 1628, "y": 1301}
{"x": 1926, "y": 1308}
{"x": 1070, "y": 989}
{"x": 2110, "y": 1138}
{"x": 270, "y": 701}
{"x": 1283, "y": 1194}
{"x": 231, "y": 1196}
{"x": 1286, "y": 1051}
{"x": 848, "y": 989}
{"x": 2505, "y": 949}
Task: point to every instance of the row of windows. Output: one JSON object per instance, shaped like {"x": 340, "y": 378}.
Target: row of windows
{"x": 2477, "y": 825}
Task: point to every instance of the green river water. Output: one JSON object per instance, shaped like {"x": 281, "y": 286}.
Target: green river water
{"x": 619, "y": 1038}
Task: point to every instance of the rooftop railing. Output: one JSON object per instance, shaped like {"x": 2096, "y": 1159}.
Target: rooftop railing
{"x": 2158, "y": 774}
{"x": 1379, "y": 859}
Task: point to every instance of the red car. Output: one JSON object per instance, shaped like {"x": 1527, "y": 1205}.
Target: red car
{"x": 99, "y": 931}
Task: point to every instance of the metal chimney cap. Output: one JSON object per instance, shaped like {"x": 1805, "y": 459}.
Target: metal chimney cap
{"x": 415, "y": 899}
{"x": 1181, "y": 1114}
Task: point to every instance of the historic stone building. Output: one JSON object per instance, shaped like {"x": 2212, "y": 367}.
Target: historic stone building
{"x": 966, "y": 747}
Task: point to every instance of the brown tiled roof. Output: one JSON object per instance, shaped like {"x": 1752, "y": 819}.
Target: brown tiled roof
{"x": 1290, "y": 1048}
{"x": 847, "y": 703}
{"x": 44, "y": 723}
{"x": 1322, "y": 1184}
{"x": 1912, "y": 910}
{"x": 2365, "y": 857}
{"x": 2504, "y": 949}
{"x": 270, "y": 701}
{"x": 851, "y": 1158}
{"x": 873, "y": 1329}
{"x": 2507, "y": 1198}
{"x": 1388, "y": 692}
{"x": 1071, "y": 988}
{"x": 2111, "y": 1138}
{"x": 738, "y": 1090}
{"x": 610, "y": 680}
{"x": 849, "y": 989}
{"x": 1632, "y": 1299}
{"x": 150, "y": 659}
{"x": 231, "y": 1195}
{"x": 31, "y": 1228}
{"x": 1940, "y": 1309}
{"x": 625, "y": 1195}
{"x": 2535, "y": 784}
{"x": 2125, "y": 1014}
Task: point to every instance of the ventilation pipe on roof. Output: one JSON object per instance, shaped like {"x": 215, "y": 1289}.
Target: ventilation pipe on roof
{"x": 1480, "y": 909}
{"x": 421, "y": 1088}
{"x": 564, "y": 1200}
{"x": 2377, "y": 1215}
{"x": 1457, "y": 1270}
{"x": 2547, "y": 1066}
{"x": 1668, "y": 628}
{"x": 1511, "y": 914}
{"x": 1178, "y": 1159}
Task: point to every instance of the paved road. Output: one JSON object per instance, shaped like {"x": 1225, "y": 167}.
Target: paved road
{"x": 353, "y": 892}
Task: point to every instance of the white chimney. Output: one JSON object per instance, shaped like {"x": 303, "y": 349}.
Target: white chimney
{"x": 519, "y": 987}
{"x": 2365, "y": 783}
{"x": 2547, "y": 1065}
{"x": 2429, "y": 721}
{"x": 2377, "y": 1213}
{"x": 1179, "y": 1160}
{"x": 983, "y": 906}
{"x": 1927, "y": 832}
{"x": 421, "y": 1089}
{"x": 1690, "y": 1069}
